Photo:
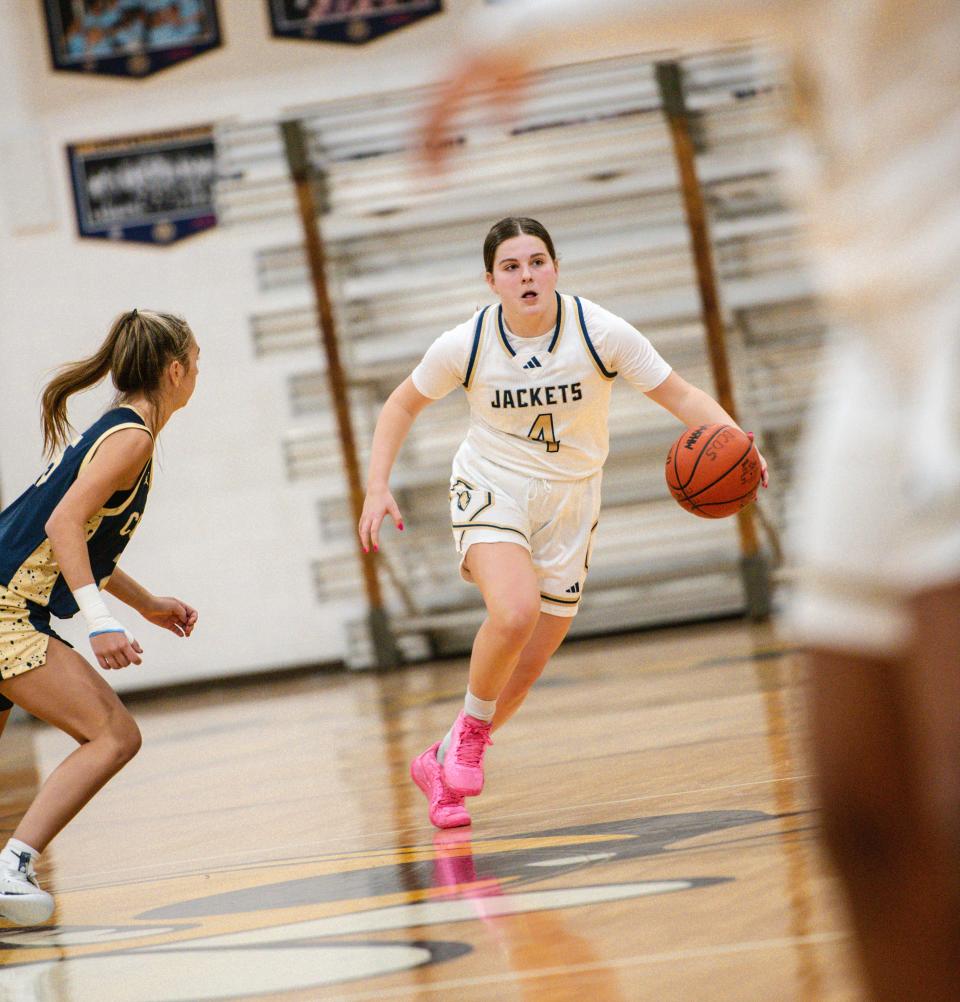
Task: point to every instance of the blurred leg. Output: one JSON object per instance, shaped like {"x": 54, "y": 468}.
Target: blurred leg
{"x": 865, "y": 745}
{"x": 933, "y": 707}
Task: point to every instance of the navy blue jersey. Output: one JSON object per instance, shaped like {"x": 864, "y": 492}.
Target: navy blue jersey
{"x": 28, "y": 566}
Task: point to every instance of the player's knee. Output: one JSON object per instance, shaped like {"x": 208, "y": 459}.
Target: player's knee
{"x": 517, "y": 619}
{"x": 124, "y": 737}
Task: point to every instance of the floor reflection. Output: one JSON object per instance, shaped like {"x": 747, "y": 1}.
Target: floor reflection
{"x": 539, "y": 940}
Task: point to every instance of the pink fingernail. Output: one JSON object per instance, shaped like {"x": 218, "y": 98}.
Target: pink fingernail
{"x": 400, "y": 526}
{"x": 376, "y": 549}
{"x": 365, "y": 550}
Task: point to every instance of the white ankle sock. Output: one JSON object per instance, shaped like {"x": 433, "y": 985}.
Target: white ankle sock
{"x": 482, "y": 709}
{"x": 11, "y": 855}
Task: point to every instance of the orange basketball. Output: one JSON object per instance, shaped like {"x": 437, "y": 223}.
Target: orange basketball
{"x": 713, "y": 471}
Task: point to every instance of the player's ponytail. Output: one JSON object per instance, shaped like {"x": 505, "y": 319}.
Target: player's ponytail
{"x": 138, "y": 347}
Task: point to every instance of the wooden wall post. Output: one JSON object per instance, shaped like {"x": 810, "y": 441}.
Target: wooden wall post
{"x": 307, "y": 180}
{"x": 754, "y": 566}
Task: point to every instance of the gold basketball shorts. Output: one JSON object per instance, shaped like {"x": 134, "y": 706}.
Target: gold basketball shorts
{"x": 24, "y": 635}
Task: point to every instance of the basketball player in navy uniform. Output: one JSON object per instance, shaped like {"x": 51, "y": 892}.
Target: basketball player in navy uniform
{"x": 60, "y": 542}
{"x": 525, "y": 490}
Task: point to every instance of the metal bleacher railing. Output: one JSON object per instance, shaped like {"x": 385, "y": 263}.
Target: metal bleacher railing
{"x": 591, "y": 157}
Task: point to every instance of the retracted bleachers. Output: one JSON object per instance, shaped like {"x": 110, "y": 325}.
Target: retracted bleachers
{"x": 590, "y": 156}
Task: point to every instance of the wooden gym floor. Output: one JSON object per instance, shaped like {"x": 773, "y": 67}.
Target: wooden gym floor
{"x": 646, "y": 833}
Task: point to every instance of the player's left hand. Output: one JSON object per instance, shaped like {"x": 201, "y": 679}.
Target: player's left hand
{"x": 763, "y": 462}
{"x": 172, "y": 615}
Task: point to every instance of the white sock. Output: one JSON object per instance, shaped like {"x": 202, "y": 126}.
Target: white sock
{"x": 482, "y": 709}
{"x": 11, "y": 855}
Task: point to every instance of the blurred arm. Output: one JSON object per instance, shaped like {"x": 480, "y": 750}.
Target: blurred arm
{"x": 544, "y": 29}
{"x": 500, "y": 43}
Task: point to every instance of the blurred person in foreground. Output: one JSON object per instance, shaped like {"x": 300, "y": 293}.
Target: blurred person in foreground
{"x": 876, "y": 537}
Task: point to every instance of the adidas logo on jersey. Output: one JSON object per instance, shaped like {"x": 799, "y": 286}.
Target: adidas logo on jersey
{"x": 534, "y": 363}
{"x": 574, "y": 589}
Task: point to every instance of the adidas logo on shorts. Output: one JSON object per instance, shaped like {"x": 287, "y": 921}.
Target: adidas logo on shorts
{"x": 534, "y": 363}
{"x": 574, "y": 589}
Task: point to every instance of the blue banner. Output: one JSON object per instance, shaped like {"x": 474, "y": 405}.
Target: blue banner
{"x": 155, "y": 188}
{"x": 131, "y": 38}
{"x": 351, "y": 21}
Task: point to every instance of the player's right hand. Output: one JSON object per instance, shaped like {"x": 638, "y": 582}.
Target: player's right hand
{"x": 376, "y": 506}
{"x": 116, "y": 649}
{"x": 496, "y": 74}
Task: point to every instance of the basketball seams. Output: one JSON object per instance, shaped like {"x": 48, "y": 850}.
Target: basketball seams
{"x": 695, "y": 502}
{"x": 676, "y": 453}
{"x": 696, "y": 462}
{"x": 726, "y": 472}
{"x": 703, "y": 506}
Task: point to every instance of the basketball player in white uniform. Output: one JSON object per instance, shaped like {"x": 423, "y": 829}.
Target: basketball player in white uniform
{"x": 525, "y": 490}
{"x": 877, "y": 540}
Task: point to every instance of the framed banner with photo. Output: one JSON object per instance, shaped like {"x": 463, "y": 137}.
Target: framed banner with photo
{"x": 354, "y": 21}
{"x": 129, "y": 37}
{"x": 155, "y": 188}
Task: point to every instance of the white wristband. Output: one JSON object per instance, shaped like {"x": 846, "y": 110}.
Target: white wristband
{"x": 96, "y": 613}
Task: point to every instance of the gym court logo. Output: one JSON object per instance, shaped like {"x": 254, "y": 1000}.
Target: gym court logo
{"x": 295, "y": 926}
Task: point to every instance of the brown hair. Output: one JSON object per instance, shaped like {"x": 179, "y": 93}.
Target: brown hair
{"x": 139, "y": 346}
{"x": 513, "y": 226}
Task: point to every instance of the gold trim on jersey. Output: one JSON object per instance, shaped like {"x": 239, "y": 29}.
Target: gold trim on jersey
{"x": 110, "y": 431}
{"x": 144, "y": 475}
{"x": 37, "y": 575}
{"x": 502, "y": 334}
{"x": 591, "y": 351}
{"x": 476, "y": 347}
{"x": 561, "y": 320}
{"x": 557, "y": 328}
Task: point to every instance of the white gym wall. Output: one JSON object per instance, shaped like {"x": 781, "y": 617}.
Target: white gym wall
{"x": 226, "y": 531}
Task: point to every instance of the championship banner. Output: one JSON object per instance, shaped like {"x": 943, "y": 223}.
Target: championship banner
{"x": 132, "y": 38}
{"x": 155, "y": 188}
{"x": 355, "y": 21}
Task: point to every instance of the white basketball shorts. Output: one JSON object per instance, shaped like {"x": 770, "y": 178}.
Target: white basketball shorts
{"x": 878, "y": 513}
{"x": 556, "y": 520}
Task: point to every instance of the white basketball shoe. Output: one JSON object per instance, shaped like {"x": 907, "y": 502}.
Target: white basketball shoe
{"x": 22, "y": 901}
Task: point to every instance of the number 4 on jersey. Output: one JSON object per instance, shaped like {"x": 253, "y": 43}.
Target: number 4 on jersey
{"x": 542, "y": 431}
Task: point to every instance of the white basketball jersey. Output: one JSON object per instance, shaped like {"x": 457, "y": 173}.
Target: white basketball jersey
{"x": 539, "y": 406}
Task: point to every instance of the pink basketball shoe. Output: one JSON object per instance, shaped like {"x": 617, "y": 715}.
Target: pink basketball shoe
{"x": 463, "y": 763}
{"x": 447, "y": 809}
